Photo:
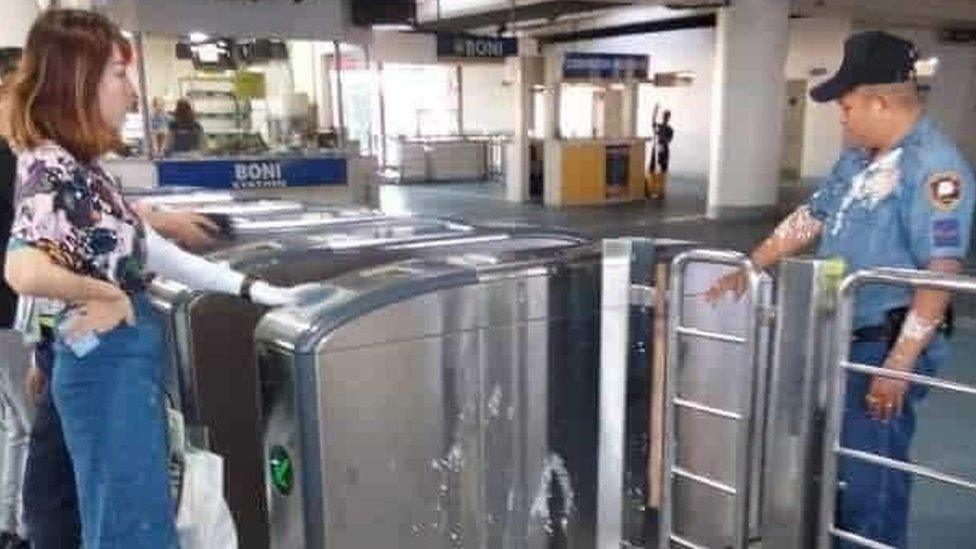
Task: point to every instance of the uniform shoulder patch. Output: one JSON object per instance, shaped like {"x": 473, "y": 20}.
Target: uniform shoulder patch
{"x": 945, "y": 190}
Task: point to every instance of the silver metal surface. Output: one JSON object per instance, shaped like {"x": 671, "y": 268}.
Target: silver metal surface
{"x": 926, "y": 472}
{"x": 802, "y": 355}
{"x": 705, "y": 334}
{"x": 435, "y": 420}
{"x": 243, "y": 207}
{"x": 192, "y": 197}
{"x": 214, "y": 331}
{"x": 919, "y": 379}
{"x": 642, "y": 295}
{"x": 678, "y": 471}
{"x": 827, "y": 529}
{"x": 716, "y": 360}
{"x": 862, "y": 541}
{"x": 682, "y": 403}
{"x": 409, "y": 467}
{"x": 614, "y": 347}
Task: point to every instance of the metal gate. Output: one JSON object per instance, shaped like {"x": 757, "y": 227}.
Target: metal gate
{"x": 710, "y": 494}
{"x": 833, "y": 450}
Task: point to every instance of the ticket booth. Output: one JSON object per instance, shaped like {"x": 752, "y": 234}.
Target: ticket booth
{"x": 592, "y": 154}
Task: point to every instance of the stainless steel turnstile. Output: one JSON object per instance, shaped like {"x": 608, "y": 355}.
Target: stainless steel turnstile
{"x": 714, "y": 406}
{"x": 162, "y": 196}
{"x": 236, "y": 207}
{"x": 437, "y": 403}
{"x": 474, "y": 401}
{"x": 833, "y": 450}
{"x": 803, "y": 355}
{"x": 213, "y": 332}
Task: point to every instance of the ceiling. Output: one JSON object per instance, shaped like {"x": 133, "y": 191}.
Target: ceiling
{"x": 542, "y": 18}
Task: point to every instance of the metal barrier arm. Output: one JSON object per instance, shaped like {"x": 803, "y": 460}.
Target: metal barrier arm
{"x": 832, "y": 448}
{"x": 744, "y": 446}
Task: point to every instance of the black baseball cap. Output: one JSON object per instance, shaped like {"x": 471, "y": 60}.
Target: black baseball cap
{"x": 871, "y": 57}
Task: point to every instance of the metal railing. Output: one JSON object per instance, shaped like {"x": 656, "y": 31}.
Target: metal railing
{"x": 833, "y": 449}
{"x": 748, "y": 420}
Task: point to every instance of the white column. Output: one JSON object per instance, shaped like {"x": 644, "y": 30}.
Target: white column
{"x": 517, "y": 172}
{"x": 748, "y": 106}
{"x": 18, "y": 16}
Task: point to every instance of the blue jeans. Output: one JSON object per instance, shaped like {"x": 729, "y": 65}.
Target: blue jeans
{"x": 50, "y": 498}
{"x": 873, "y": 501}
{"x": 111, "y": 403}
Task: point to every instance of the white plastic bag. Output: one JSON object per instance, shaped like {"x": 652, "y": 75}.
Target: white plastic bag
{"x": 204, "y": 520}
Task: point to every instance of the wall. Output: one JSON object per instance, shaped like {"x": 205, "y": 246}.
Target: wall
{"x": 817, "y": 44}
{"x": 814, "y": 43}
{"x": 686, "y": 50}
{"x": 163, "y": 70}
{"x": 952, "y": 101}
{"x": 319, "y": 19}
{"x": 489, "y": 105}
{"x": 17, "y": 19}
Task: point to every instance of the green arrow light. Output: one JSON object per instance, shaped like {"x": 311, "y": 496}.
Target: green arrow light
{"x": 282, "y": 471}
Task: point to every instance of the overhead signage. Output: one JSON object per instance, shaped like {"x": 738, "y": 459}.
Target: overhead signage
{"x": 253, "y": 174}
{"x": 467, "y": 46}
{"x": 605, "y": 66}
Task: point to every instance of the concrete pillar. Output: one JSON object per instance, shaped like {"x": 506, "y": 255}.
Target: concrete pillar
{"x": 18, "y": 16}
{"x": 517, "y": 173}
{"x": 748, "y": 107}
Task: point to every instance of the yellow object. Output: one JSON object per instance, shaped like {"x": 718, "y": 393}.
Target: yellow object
{"x": 657, "y": 184}
{"x": 249, "y": 85}
{"x": 635, "y": 182}
{"x": 832, "y": 275}
{"x": 584, "y": 172}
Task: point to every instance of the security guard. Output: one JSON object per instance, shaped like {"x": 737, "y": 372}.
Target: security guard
{"x": 901, "y": 196}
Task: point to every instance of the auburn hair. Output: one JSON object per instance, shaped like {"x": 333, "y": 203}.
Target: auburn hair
{"x": 183, "y": 115}
{"x": 53, "y": 95}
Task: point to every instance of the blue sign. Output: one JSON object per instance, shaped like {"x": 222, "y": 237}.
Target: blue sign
{"x": 253, "y": 173}
{"x": 605, "y": 66}
{"x": 467, "y": 46}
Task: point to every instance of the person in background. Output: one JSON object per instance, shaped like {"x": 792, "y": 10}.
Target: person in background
{"x": 185, "y": 133}
{"x": 661, "y": 155}
{"x": 14, "y": 358}
{"x": 76, "y": 242}
{"x": 158, "y": 126}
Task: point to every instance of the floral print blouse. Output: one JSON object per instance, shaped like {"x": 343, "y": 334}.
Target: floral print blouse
{"x": 75, "y": 213}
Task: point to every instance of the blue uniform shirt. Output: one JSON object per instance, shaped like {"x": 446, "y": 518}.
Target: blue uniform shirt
{"x": 901, "y": 209}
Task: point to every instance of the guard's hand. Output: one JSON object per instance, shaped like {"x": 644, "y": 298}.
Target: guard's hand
{"x": 34, "y": 384}
{"x": 736, "y": 283}
{"x": 886, "y": 397}
{"x": 99, "y": 316}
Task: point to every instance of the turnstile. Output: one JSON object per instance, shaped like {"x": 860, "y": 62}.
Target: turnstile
{"x": 833, "y": 448}
{"x": 803, "y": 355}
{"x": 715, "y": 405}
{"x": 182, "y": 195}
{"x": 779, "y": 487}
{"x": 214, "y": 332}
{"x": 437, "y": 403}
{"x": 473, "y": 401}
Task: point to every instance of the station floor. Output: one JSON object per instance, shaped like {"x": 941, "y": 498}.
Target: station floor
{"x": 942, "y": 516}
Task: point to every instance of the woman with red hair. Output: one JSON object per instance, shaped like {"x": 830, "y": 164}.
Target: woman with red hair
{"x": 77, "y": 243}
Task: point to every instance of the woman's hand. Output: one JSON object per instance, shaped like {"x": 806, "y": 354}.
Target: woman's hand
{"x": 189, "y": 230}
{"x": 273, "y": 296}
{"x": 99, "y": 316}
